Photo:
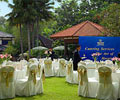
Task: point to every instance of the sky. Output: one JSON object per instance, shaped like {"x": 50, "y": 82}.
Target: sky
{"x": 4, "y": 9}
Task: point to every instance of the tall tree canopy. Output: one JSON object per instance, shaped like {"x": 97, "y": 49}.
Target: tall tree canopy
{"x": 110, "y": 18}
{"x": 67, "y": 14}
{"x": 28, "y": 12}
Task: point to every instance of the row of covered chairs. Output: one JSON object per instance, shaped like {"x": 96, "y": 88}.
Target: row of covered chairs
{"x": 30, "y": 85}
{"x": 56, "y": 69}
{"x": 104, "y": 89}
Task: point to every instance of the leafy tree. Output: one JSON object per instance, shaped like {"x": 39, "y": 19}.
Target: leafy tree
{"x": 16, "y": 19}
{"x": 110, "y": 18}
{"x": 26, "y": 12}
{"x": 91, "y": 9}
{"x": 68, "y": 14}
{"x": 109, "y": 1}
{"x": 44, "y": 12}
{"x": 96, "y": 6}
{"x": 11, "y": 50}
{"x": 2, "y": 20}
{"x": 35, "y": 12}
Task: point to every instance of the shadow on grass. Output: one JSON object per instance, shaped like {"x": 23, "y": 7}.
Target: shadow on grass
{"x": 71, "y": 84}
{"x": 21, "y": 98}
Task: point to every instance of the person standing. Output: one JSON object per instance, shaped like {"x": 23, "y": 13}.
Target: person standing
{"x": 76, "y": 57}
{"x": 51, "y": 54}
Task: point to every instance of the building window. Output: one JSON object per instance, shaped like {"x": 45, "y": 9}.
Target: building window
{"x": 5, "y": 42}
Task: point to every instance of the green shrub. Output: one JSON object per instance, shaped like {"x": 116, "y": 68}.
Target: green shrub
{"x": 37, "y": 53}
{"x": 11, "y": 50}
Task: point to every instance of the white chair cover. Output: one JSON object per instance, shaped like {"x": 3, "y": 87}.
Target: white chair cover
{"x": 24, "y": 62}
{"x": 75, "y": 77}
{"x": 109, "y": 63}
{"x": 87, "y": 86}
{"x": 18, "y": 65}
{"x": 83, "y": 81}
{"x": 81, "y": 63}
{"x": 107, "y": 90}
{"x": 62, "y": 68}
{"x": 21, "y": 69}
{"x": 69, "y": 74}
{"x": 91, "y": 66}
{"x": 31, "y": 85}
{"x": 33, "y": 60}
{"x": 7, "y": 87}
{"x": 88, "y": 61}
{"x": 75, "y": 73}
{"x": 48, "y": 68}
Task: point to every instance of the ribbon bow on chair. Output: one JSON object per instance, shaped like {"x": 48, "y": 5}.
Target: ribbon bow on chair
{"x": 39, "y": 68}
{"x": 81, "y": 74}
{"x": 63, "y": 63}
{"x": 43, "y": 75}
{"x": 31, "y": 61}
{"x": 105, "y": 75}
{"x": 33, "y": 74}
{"x": 48, "y": 63}
{"x": 69, "y": 68}
{"x": 7, "y": 75}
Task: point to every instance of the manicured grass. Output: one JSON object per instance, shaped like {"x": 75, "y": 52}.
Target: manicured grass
{"x": 56, "y": 89}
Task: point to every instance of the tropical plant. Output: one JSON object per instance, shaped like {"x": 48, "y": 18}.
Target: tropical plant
{"x": 27, "y": 13}
{"x": 16, "y": 19}
{"x": 4, "y": 57}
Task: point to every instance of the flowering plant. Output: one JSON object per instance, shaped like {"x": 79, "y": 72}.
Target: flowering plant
{"x": 95, "y": 55}
{"x": 4, "y": 57}
{"x": 117, "y": 60}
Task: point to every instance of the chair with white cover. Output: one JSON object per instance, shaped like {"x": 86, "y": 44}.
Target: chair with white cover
{"x": 31, "y": 85}
{"x": 69, "y": 73}
{"x": 48, "y": 68}
{"x": 20, "y": 71}
{"x": 91, "y": 66}
{"x": 62, "y": 68}
{"x": 107, "y": 90}
{"x": 109, "y": 63}
{"x": 88, "y": 60}
{"x": 83, "y": 81}
{"x": 23, "y": 64}
{"x": 87, "y": 86}
{"x": 33, "y": 60}
{"x": 8, "y": 62}
{"x": 82, "y": 63}
{"x": 7, "y": 86}
{"x": 75, "y": 73}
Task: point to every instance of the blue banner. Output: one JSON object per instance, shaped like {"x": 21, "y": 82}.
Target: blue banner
{"x": 108, "y": 47}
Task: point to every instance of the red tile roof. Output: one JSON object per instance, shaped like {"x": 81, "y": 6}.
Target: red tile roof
{"x": 86, "y": 28}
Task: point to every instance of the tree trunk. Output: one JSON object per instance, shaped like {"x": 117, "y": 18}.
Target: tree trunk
{"x": 33, "y": 36}
{"x": 37, "y": 23}
{"x": 21, "y": 41}
{"x": 29, "y": 46}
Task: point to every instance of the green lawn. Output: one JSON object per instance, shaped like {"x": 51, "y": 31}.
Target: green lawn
{"x": 56, "y": 89}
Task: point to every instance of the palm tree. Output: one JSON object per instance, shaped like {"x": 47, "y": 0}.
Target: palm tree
{"x": 15, "y": 18}
{"x": 28, "y": 18}
{"x": 28, "y": 12}
{"x": 43, "y": 8}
